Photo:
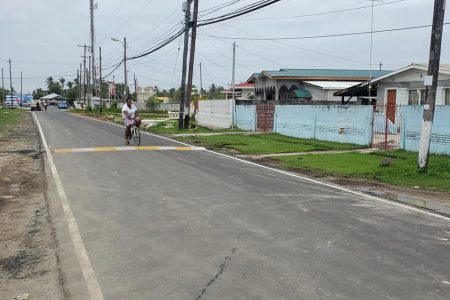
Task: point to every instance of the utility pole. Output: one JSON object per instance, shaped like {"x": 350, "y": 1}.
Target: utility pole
{"x": 201, "y": 82}
{"x": 3, "y": 88}
{"x": 233, "y": 83}
{"x": 89, "y": 86}
{"x": 381, "y": 65}
{"x": 100, "y": 77}
{"x": 10, "y": 79}
{"x": 115, "y": 91}
{"x": 21, "y": 95}
{"x": 187, "y": 16}
{"x": 125, "y": 93}
{"x": 234, "y": 70}
{"x": 84, "y": 73}
{"x": 191, "y": 66}
{"x": 433, "y": 74}
{"x": 135, "y": 86}
{"x": 91, "y": 8}
{"x": 78, "y": 82}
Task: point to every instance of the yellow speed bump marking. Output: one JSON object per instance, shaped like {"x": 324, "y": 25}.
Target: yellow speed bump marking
{"x": 127, "y": 148}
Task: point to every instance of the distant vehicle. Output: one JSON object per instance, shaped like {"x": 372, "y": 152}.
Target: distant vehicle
{"x": 25, "y": 103}
{"x": 12, "y": 101}
{"x": 63, "y": 105}
{"x": 34, "y": 106}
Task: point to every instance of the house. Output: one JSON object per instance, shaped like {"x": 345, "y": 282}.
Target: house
{"x": 143, "y": 94}
{"x": 53, "y": 98}
{"x": 242, "y": 91}
{"x": 406, "y": 86}
{"x": 310, "y": 84}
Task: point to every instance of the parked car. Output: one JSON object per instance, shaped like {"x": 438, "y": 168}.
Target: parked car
{"x": 12, "y": 102}
{"x": 63, "y": 105}
{"x": 25, "y": 103}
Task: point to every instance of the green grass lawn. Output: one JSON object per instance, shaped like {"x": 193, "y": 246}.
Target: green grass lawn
{"x": 171, "y": 127}
{"x": 402, "y": 172}
{"x": 266, "y": 143}
{"x": 8, "y": 118}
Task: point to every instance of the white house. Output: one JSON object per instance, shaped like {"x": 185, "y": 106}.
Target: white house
{"x": 406, "y": 86}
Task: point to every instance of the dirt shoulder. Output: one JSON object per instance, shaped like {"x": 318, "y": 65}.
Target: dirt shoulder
{"x": 28, "y": 256}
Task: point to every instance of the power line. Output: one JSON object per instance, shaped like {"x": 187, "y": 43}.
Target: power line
{"x": 322, "y": 13}
{"x": 321, "y": 36}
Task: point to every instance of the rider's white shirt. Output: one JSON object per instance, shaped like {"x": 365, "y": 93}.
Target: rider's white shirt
{"x": 131, "y": 111}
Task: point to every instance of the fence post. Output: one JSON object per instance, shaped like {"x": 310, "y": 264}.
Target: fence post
{"x": 403, "y": 135}
{"x": 314, "y": 127}
{"x": 275, "y": 123}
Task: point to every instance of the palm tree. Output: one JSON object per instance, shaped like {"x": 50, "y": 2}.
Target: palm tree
{"x": 62, "y": 81}
{"x": 69, "y": 84}
{"x": 49, "y": 80}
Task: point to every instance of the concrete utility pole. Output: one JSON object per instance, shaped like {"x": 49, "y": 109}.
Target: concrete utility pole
{"x": 191, "y": 66}
{"x": 233, "y": 76}
{"x": 433, "y": 74}
{"x": 187, "y": 16}
{"x": 125, "y": 93}
{"x": 100, "y": 76}
{"x": 91, "y": 8}
{"x": 78, "y": 82}
{"x": 3, "y": 88}
{"x": 89, "y": 88}
{"x": 10, "y": 79}
{"x": 83, "y": 88}
{"x": 21, "y": 95}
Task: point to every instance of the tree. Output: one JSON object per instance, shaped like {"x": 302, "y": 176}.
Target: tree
{"x": 38, "y": 94}
{"x": 62, "y": 81}
{"x": 49, "y": 80}
{"x": 70, "y": 84}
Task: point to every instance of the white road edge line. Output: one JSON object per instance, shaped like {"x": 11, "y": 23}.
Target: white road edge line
{"x": 94, "y": 290}
{"x": 337, "y": 187}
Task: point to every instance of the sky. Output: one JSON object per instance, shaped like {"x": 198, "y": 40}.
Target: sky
{"x": 41, "y": 37}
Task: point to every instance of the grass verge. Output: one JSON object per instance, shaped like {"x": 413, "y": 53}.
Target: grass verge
{"x": 9, "y": 118}
{"x": 399, "y": 167}
{"x": 266, "y": 143}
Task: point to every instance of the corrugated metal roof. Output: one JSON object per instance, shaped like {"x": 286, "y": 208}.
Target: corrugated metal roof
{"x": 323, "y": 73}
{"x": 333, "y": 85}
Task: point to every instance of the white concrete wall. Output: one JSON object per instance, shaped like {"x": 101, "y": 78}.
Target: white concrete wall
{"x": 214, "y": 113}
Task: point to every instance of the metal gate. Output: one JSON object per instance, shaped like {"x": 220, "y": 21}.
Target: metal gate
{"x": 265, "y": 113}
{"x": 386, "y": 127}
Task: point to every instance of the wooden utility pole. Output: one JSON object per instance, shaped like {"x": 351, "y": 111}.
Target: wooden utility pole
{"x": 187, "y": 16}
{"x": 431, "y": 83}
{"x": 135, "y": 86}
{"x": 191, "y": 66}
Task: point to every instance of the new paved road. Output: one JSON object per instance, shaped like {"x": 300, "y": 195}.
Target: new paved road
{"x": 196, "y": 225}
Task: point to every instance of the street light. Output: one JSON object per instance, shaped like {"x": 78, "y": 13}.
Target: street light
{"x": 124, "y": 43}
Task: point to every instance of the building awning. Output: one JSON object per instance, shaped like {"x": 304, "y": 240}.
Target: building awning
{"x": 359, "y": 90}
{"x": 302, "y": 94}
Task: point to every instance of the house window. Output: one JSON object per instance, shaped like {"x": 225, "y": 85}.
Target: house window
{"x": 413, "y": 98}
{"x": 422, "y": 96}
{"x": 447, "y": 97}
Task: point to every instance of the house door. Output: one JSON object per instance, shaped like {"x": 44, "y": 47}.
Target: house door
{"x": 391, "y": 105}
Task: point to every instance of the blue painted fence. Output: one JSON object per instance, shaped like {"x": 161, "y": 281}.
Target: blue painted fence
{"x": 245, "y": 117}
{"x": 336, "y": 123}
{"x": 412, "y": 123}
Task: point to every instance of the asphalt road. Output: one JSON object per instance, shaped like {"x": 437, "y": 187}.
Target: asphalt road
{"x": 197, "y": 225}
